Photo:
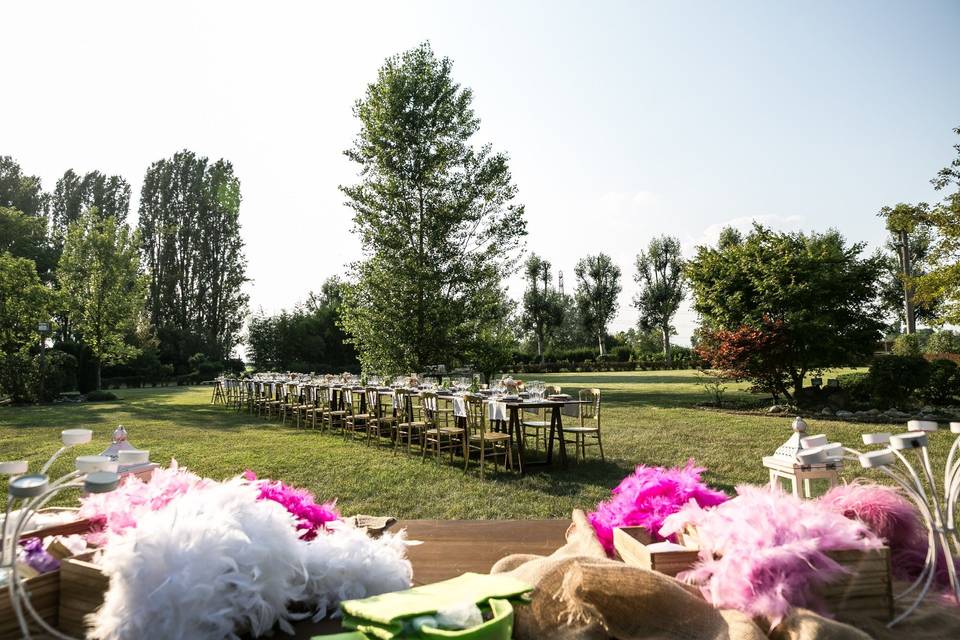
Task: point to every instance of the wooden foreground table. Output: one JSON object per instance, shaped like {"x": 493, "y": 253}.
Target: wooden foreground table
{"x": 453, "y": 547}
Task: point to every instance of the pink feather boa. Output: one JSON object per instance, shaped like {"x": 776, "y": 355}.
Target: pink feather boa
{"x": 894, "y": 518}
{"x": 119, "y": 510}
{"x": 311, "y": 517}
{"x": 647, "y": 496}
{"x": 115, "y": 512}
{"x": 765, "y": 551}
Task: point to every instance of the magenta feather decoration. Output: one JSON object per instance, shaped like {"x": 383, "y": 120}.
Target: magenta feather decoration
{"x": 647, "y": 496}
{"x": 300, "y": 503}
{"x": 764, "y": 551}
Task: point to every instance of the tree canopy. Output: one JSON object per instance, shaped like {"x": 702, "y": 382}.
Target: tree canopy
{"x": 20, "y": 191}
{"x": 193, "y": 255}
{"x": 598, "y": 285}
{"x": 74, "y": 194}
{"x": 662, "y": 288}
{"x": 436, "y": 218}
{"x": 543, "y": 306}
{"x": 101, "y": 287}
{"x": 306, "y": 338}
{"x": 942, "y": 281}
{"x": 817, "y": 291}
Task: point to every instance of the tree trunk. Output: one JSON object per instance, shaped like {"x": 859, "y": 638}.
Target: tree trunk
{"x": 666, "y": 347}
{"x": 600, "y": 342}
{"x": 539, "y": 347}
{"x": 907, "y": 268}
{"x": 98, "y": 374}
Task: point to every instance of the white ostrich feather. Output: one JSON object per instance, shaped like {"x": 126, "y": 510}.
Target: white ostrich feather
{"x": 217, "y": 562}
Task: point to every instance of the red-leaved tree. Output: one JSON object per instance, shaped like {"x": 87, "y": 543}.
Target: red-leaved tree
{"x": 759, "y": 355}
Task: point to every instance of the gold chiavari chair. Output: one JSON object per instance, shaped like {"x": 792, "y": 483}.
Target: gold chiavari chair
{"x": 442, "y": 434}
{"x": 411, "y": 421}
{"x": 250, "y": 395}
{"x": 483, "y": 441}
{"x": 274, "y": 400}
{"x": 356, "y": 418}
{"x": 589, "y": 424}
{"x": 336, "y": 415}
{"x": 387, "y": 416}
{"x": 309, "y": 407}
{"x": 291, "y": 403}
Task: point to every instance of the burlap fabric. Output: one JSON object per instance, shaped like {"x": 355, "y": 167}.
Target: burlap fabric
{"x": 582, "y": 594}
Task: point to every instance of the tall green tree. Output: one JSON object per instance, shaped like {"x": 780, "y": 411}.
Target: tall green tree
{"x": 812, "y": 296}
{"x": 662, "y": 288}
{"x": 306, "y": 338}
{"x": 24, "y": 303}
{"x": 942, "y": 281}
{"x": 193, "y": 256}
{"x": 542, "y": 305}
{"x": 74, "y": 194}
{"x": 101, "y": 287}
{"x": 436, "y": 218}
{"x": 25, "y": 236}
{"x": 906, "y": 255}
{"x": 20, "y": 191}
{"x": 598, "y": 285}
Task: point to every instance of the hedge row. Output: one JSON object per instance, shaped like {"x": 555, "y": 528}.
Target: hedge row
{"x": 574, "y": 367}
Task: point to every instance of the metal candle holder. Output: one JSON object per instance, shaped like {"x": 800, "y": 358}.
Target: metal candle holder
{"x": 93, "y": 474}
{"x": 939, "y": 513}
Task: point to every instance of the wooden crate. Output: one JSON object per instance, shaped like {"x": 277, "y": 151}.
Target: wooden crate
{"x": 44, "y": 593}
{"x": 82, "y": 589}
{"x": 44, "y": 589}
{"x": 867, "y": 592}
{"x": 635, "y": 547}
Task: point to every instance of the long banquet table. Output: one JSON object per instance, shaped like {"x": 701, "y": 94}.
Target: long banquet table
{"x": 501, "y": 410}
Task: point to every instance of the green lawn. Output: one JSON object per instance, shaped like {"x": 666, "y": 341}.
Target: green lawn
{"x": 648, "y": 417}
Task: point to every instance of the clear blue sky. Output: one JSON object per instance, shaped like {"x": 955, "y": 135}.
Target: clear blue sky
{"x": 623, "y": 120}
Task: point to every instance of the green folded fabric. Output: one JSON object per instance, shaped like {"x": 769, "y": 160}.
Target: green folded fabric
{"x": 384, "y": 616}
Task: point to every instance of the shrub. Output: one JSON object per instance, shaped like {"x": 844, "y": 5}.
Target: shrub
{"x": 895, "y": 379}
{"x": 946, "y": 341}
{"x": 59, "y": 374}
{"x": 857, "y": 386}
{"x": 581, "y": 354}
{"x": 621, "y": 353}
{"x": 17, "y": 371}
{"x": 943, "y": 383}
{"x": 101, "y": 396}
{"x": 907, "y": 345}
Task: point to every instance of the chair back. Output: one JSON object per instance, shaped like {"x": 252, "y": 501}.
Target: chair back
{"x": 323, "y": 397}
{"x": 348, "y": 400}
{"x": 590, "y": 412}
{"x": 476, "y": 414}
{"x": 373, "y": 401}
{"x": 411, "y": 406}
{"x": 292, "y": 392}
{"x": 309, "y": 396}
{"x": 428, "y": 400}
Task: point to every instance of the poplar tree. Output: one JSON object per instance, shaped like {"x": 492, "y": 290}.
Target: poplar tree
{"x": 436, "y": 216}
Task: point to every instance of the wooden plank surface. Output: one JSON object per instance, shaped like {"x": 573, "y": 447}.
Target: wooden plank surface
{"x": 453, "y": 547}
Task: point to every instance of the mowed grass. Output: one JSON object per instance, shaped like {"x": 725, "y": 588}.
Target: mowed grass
{"x": 648, "y": 418}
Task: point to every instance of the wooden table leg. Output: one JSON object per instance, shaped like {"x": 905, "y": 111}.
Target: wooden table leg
{"x": 558, "y": 419}
{"x": 515, "y": 427}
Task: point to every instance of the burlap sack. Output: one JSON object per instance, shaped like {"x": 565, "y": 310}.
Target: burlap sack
{"x": 582, "y": 594}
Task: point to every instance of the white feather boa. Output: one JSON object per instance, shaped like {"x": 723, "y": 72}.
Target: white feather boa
{"x": 217, "y": 562}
